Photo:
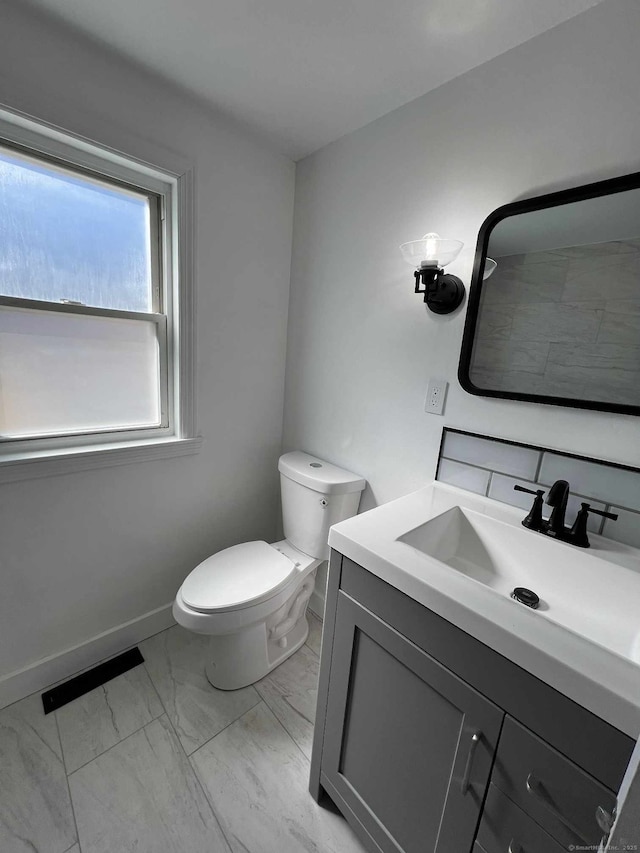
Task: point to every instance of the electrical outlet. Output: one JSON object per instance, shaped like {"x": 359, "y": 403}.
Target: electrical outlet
{"x": 436, "y": 393}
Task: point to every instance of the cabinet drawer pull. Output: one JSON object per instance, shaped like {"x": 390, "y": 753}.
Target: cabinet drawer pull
{"x": 605, "y": 820}
{"x": 536, "y": 789}
{"x": 467, "y": 770}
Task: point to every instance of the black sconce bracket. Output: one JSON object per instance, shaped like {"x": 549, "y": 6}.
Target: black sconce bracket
{"x": 443, "y": 292}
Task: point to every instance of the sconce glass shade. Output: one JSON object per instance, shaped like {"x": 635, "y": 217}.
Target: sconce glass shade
{"x": 489, "y": 267}
{"x": 431, "y": 251}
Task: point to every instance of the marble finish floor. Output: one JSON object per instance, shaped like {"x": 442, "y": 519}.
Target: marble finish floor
{"x": 159, "y": 761}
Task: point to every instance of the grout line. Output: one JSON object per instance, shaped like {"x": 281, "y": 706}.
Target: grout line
{"x": 182, "y": 749}
{"x": 306, "y": 642}
{"x": 93, "y": 758}
{"x": 168, "y": 715}
{"x": 230, "y": 723}
{"x": 122, "y": 740}
{"x": 620, "y": 466}
{"x": 66, "y": 776}
{"x": 213, "y": 737}
{"x": 113, "y": 746}
{"x": 197, "y": 777}
{"x": 539, "y": 465}
{"x": 284, "y": 728}
{"x": 615, "y": 505}
{"x": 284, "y": 725}
{"x": 207, "y": 799}
{"x": 313, "y": 651}
{"x": 600, "y": 531}
{"x": 262, "y": 701}
{"x": 602, "y": 312}
{"x": 480, "y": 468}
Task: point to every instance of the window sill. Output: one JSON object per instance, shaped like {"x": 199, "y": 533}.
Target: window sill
{"x": 49, "y": 463}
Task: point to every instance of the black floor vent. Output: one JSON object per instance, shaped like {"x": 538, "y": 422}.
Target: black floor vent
{"x": 87, "y": 681}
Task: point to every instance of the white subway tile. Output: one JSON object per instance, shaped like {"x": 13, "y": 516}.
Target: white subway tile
{"x": 609, "y": 484}
{"x": 494, "y": 455}
{"x": 464, "y": 476}
{"x": 626, "y": 529}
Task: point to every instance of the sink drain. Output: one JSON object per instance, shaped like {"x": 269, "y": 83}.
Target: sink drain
{"x": 526, "y": 596}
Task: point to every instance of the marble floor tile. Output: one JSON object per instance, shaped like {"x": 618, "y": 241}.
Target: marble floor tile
{"x": 291, "y": 691}
{"x": 142, "y": 795}
{"x": 102, "y": 718}
{"x": 35, "y": 810}
{"x": 74, "y": 849}
{"x": 175, "y": 660}
{"x": 257, "y": 781}
{"x": 314, "y": 639}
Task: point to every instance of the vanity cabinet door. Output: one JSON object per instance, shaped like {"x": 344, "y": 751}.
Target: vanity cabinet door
{"x": 408, "y": 746}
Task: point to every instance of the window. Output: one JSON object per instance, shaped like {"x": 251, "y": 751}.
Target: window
{"x": 89, "y": 303}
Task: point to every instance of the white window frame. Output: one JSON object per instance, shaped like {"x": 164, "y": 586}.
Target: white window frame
{"x": 27, "y": 457}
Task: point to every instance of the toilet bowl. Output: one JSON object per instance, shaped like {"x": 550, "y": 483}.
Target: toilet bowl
{"x": 251, "y": 599}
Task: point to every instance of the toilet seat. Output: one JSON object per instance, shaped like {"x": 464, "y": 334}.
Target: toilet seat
{"x": 238, "y": 577}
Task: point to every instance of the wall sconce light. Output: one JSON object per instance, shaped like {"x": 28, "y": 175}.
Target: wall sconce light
{"x": 443, "y": 293}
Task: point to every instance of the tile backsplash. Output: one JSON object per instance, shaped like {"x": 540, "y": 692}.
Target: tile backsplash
{"x": 493, "y": 466}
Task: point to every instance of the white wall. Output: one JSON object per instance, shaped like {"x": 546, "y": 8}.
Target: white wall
{"x": 558, "y": 111}
{"x": 83, "y": 553}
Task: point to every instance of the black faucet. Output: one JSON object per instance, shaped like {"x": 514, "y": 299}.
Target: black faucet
{"x": 555, "y": 526}
{"x": 557, "y": 498}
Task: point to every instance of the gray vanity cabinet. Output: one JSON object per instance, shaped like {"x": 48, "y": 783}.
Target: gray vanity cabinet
{"x": 408, "y": 745}
{"x": 430, "y": 742}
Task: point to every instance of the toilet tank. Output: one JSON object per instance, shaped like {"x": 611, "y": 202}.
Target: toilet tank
{"x": 315, "y": 494}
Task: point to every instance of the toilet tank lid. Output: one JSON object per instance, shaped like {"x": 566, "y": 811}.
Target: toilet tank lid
{"x": 319, "y": 475}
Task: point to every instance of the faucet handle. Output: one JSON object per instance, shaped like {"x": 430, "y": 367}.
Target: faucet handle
{"x": 534, "y": 520}
{"x": 612, "y": 515}
{"x": 538, "y": 492}
{"x": 578, "y": 535}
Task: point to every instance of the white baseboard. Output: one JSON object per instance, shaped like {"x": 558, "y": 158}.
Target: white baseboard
{"x": 316, "y": 603}
{"x": 50, "y": 670}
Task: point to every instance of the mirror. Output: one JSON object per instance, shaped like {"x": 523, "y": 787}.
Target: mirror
{"x": 558, "y": 319}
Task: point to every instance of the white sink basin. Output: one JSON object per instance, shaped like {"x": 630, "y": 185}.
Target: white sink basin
{"x": 461, "y": 555}
{"x": 576, "y": 590}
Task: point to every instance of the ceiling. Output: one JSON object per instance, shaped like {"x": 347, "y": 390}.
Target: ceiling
{"x": 305, "y": 72}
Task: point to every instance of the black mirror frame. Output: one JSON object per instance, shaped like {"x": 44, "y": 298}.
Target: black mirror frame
{"x": 594, "y": 190}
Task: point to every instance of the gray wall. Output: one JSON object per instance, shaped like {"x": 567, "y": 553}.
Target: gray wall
{"x": 558, "y": 111}
{"x": 85, "y": 552}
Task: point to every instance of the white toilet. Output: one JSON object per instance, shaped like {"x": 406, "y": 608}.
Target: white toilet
{"x": 251, "y": 599}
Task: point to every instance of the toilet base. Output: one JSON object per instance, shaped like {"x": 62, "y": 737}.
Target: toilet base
{"x": 239, "y": 659}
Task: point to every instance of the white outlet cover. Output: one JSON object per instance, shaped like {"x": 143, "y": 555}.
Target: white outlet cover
{"x": 436, "y": 394}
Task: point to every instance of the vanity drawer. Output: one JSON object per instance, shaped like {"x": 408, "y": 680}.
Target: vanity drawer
{"x": 554, "y": 791}
{"x": 507, "y": 829}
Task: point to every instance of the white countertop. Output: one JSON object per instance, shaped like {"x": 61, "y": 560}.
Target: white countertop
{"x": 605, "y": 681}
